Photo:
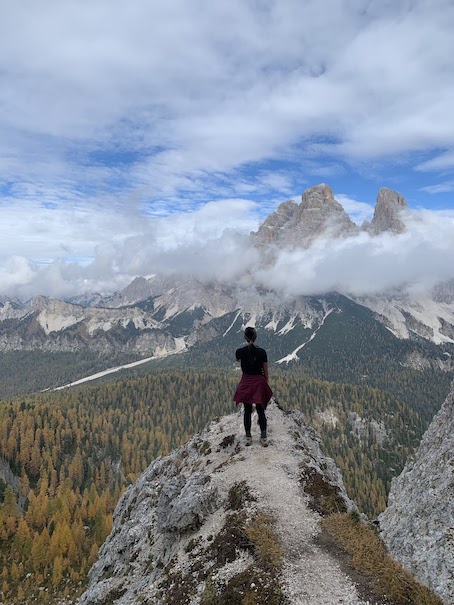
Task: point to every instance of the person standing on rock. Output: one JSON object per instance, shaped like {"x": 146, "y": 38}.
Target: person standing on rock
{"x": 253, "y": 388}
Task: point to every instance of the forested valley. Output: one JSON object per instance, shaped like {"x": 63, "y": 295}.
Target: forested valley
{"x": 76, "y": 451}
{"x": 41, "y": 370}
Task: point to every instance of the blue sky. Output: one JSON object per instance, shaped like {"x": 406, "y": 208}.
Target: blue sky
{"x": 114, "y": 116}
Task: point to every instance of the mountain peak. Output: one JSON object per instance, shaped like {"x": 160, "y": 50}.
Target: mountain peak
{"x": 277, "y": 224}
{"x": 318, "y": 215}
{"x": 317, "y": 195}
{"x": 388, "y": 210}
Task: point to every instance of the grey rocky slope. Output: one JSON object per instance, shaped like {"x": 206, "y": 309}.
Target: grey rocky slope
{"x": 184, "y": 532}
{"x": 418, "y": 525}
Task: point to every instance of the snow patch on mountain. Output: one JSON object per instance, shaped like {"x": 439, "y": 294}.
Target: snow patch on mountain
{"x": 180, "y": 346}
{"x": 404, "y": 316}
{"x": 232, "y": 324}
{"x": 293, "y": 356}
{"x": 288, "y": 326}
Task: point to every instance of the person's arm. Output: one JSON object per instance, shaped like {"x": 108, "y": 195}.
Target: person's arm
{"x": 265, "y": 370}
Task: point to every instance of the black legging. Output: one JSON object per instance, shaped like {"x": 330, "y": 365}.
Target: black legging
{"x": 248, "y": 417}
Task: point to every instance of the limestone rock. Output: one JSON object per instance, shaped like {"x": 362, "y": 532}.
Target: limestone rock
{"x": 418, "y": 525}
{"x": 185, "y": 503}
{"x": 276, "y": 226}
{"x": 318, "y": 215}
{"x": 388, "y": 212}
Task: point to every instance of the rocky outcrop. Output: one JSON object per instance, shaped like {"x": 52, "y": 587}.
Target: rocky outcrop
{"x": 196, "y": 526}
{"x": 318, "y": 215}
{"x": 388, "y": 212}
{"x": 276, "y": 226}
{"x": 418, "y": 525}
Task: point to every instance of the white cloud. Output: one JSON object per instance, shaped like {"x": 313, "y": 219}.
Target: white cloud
{"x": 417, "y": 259}
{"x": 213, "y": 244}
{"x": 444, "y": 187}
{"x": 191, "y": 96}
{"x": 444, "y": 161}
{"x": 118, "y": 243}
{"x": 358, "y": 211}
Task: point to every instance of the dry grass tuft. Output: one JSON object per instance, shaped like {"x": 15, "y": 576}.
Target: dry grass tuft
{"x": 268, "y": 548}
{"x": 259, "y": 583}
{"x": 369, "y": 555}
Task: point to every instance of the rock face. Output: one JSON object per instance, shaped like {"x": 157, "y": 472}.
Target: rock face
{"x": 388, "y": 211}
{"x": 191, "y": 529}
{"x": 275, "y": 227}
{"x": 318, "y": 215}
{"x": 418, "y": 525}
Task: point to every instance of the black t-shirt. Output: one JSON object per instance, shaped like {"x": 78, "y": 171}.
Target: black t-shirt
{"x": 252, "y": 359}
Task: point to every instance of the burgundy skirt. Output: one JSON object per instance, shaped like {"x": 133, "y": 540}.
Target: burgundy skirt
{"x": 253, "y": 389}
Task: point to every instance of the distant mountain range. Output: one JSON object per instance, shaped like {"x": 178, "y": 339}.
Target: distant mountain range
{"x": 165, "y": 314}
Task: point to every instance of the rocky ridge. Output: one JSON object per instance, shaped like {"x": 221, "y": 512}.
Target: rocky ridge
{"x": 320, "y": 215}
{"x": 185, "y": 312}
{"x": 192, "y": 528}
{"x": 418, "y": 525}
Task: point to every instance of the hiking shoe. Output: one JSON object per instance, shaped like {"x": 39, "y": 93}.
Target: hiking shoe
{"x": 248, "y": 440}
{"x": 264, "y": 441}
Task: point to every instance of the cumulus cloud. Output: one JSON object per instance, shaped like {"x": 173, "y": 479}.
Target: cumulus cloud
{"x": 65, "y": 253}
{"x": 358, "y": 211}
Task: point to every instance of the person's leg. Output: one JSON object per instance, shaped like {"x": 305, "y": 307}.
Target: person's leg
{"x": 247, "y": 418}
{"x": 262, "y": 419}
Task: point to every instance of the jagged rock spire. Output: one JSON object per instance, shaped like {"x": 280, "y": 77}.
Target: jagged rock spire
{"x": 388, "y": 210}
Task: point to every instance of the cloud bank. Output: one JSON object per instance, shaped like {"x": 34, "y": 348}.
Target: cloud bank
{"x": 213, "y": 244}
